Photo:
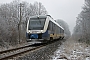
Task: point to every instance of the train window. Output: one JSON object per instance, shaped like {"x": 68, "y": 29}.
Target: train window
{"x": 60, "y": 30}
{"x": 36, "y": 24}
{"x": 51, "y": 25}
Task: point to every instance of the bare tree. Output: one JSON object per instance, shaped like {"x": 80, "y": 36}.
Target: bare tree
{"x": 83, "y": 23}
{"x": 9, "y": 20}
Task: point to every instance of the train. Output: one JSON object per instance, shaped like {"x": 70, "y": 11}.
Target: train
{"x": 43, "y": 28}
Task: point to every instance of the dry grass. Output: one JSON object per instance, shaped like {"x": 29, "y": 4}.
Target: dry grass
{"x": 73, "y": 47}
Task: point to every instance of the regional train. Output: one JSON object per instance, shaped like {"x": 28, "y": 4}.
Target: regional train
{"x": 43, "y": 28}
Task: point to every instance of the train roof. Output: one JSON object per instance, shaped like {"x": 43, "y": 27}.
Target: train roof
{"x": 40, "y": 16}
{"x": 57, "y": 24}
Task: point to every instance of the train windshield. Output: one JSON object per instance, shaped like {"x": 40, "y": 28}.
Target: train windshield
{"x": 36, "y": 23}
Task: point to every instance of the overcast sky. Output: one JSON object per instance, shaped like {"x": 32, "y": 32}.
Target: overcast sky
{"x": 66, "y": 10}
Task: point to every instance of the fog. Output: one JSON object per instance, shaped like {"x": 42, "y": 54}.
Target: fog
{"x": 66, "y": 10}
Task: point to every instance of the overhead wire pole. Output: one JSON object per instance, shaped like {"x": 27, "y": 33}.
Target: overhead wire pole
{"x": 21, "y": 5}
{"x": 38, "y": 8}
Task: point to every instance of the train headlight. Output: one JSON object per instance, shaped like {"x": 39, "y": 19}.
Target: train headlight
{"x": 29, "y": 32}
{"x": 41, "y": 31}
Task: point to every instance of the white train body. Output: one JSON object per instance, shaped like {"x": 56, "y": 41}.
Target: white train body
{"x": 43, "y": 28}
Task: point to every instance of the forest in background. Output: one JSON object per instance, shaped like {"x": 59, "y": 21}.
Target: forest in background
{"x": 82, "y": 28}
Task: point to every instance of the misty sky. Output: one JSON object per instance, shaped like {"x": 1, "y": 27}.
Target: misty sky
{"x": 66, "y": 10}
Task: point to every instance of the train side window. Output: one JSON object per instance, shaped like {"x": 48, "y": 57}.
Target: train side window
{"x": 63, "y": 31}
{"x": 60, "y": 30}
{"x": 57, "y": 29}
{"x": 50, "y": 25}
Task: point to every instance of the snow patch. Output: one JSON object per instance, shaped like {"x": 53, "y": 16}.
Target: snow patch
{"x": 71, "y": 50}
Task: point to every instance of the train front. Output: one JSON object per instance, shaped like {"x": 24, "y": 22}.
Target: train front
{"x": 36, "y": 29}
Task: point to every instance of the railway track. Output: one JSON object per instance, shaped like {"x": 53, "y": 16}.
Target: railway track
{"x": 9, "y": 54}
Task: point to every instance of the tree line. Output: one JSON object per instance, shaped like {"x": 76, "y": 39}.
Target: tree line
{"x": 10, "y": 18}
{"x": 82, "y": 28}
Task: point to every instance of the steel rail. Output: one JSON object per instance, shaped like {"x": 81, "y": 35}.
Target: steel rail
{"x": 16, "y": 54}
{"x": 22, "y": 52}
{"x": 1, "y": 52}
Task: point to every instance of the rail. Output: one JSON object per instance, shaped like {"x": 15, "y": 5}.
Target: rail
{"x": 17, "y": 51}
{"x": 9, "y": 54}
